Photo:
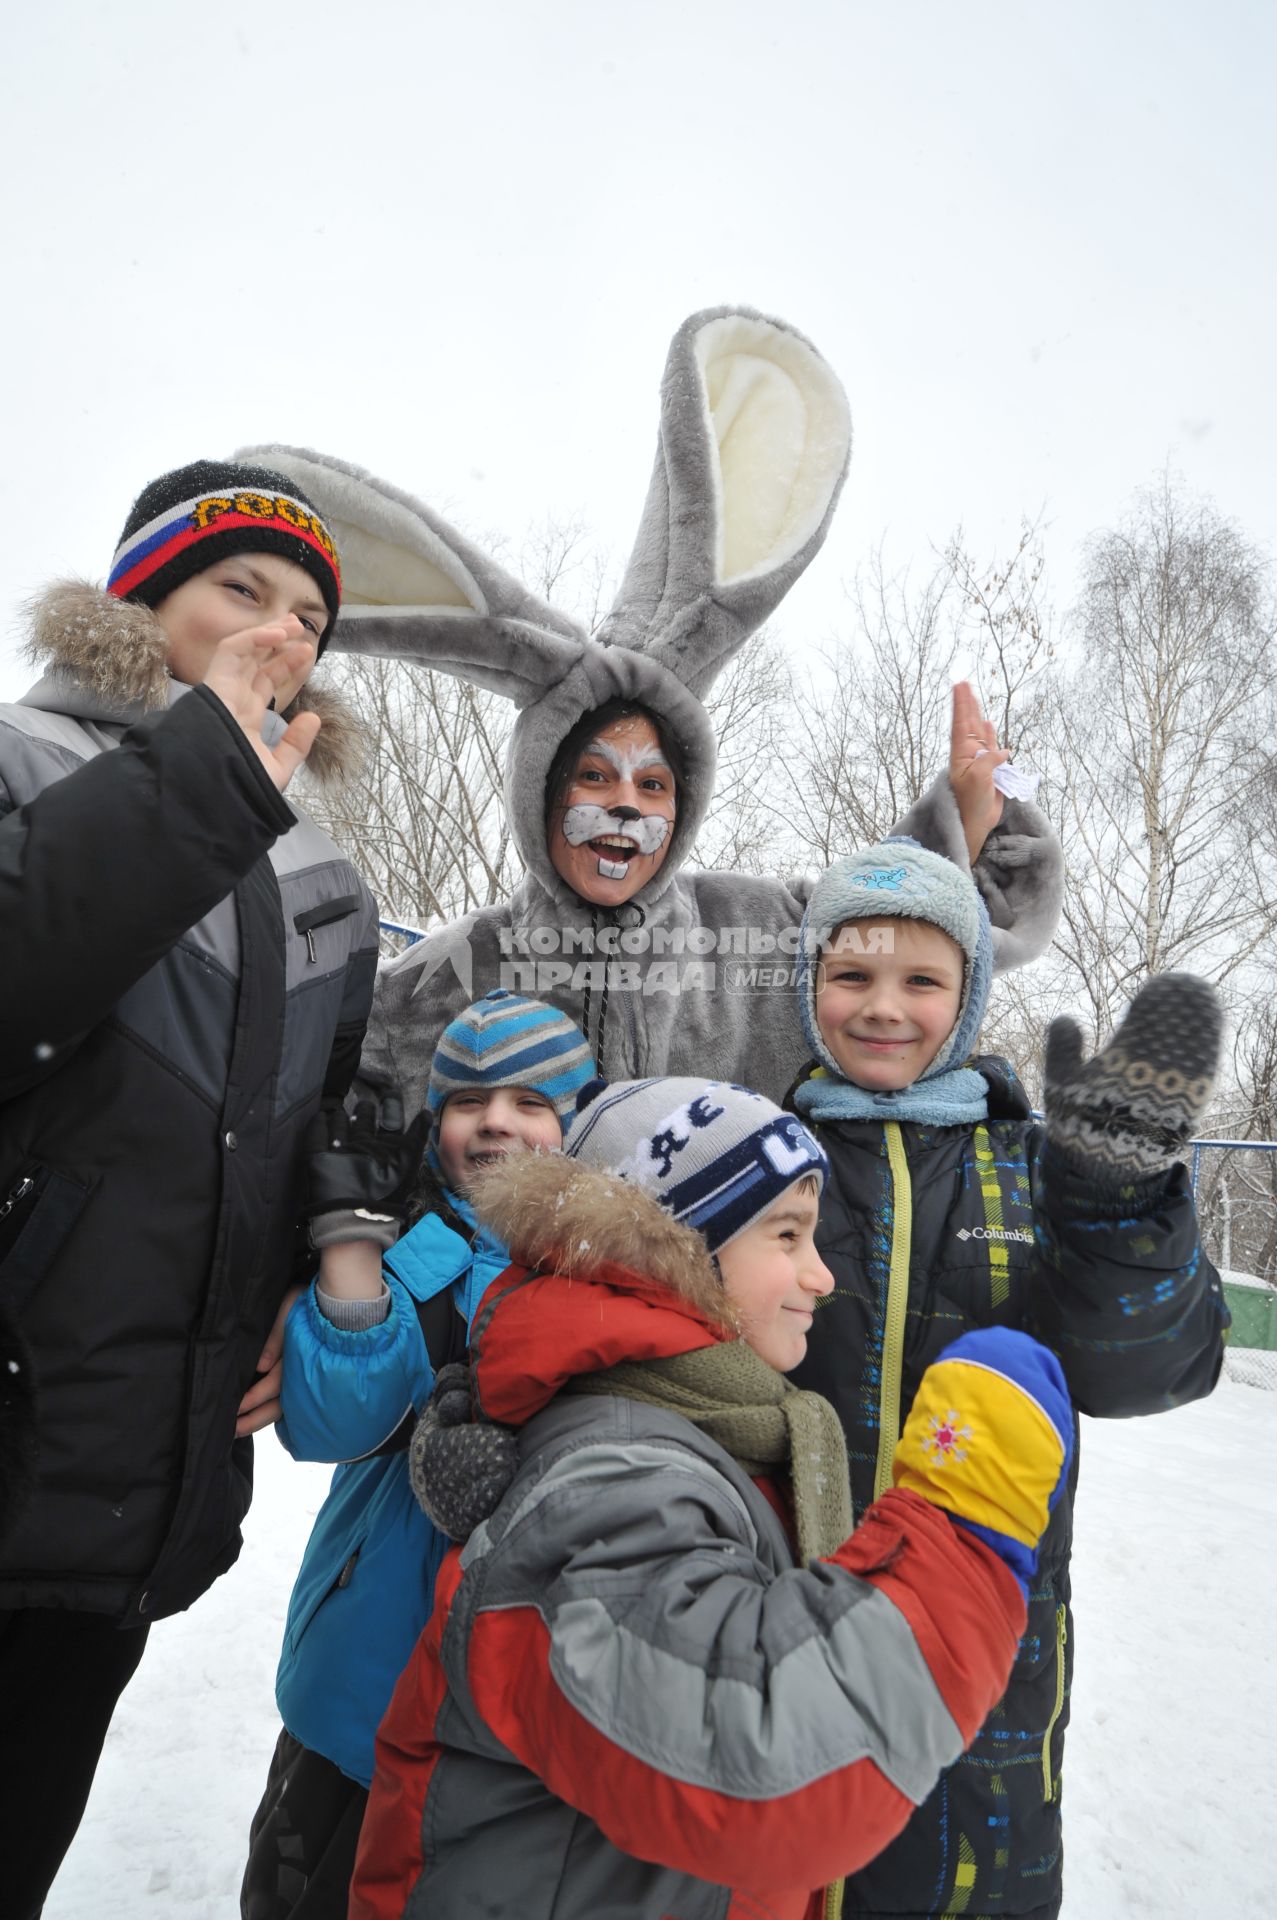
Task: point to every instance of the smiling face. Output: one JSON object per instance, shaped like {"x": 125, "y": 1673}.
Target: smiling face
{"x": 773, "y": 1276}
{"x": 241, "y": 591}
{"x": 887, "y": 999}
{"x": 478, "y": 1126}
{"x": 610, "y": 830}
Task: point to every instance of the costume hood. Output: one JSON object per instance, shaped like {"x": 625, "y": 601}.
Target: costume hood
{"x": 755, "y": 437}
{"x": 602, "y": 1275}
{"x": 106, "y": 660}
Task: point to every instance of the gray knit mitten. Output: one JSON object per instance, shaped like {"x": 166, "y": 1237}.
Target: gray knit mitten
{"x": 459, "y": 1466}
{"x": 1126, "y": 1115}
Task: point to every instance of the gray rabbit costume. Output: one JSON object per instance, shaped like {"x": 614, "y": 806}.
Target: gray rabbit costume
{"x": 694, "y": 973}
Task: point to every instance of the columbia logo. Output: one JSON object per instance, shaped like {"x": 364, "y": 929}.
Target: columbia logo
{"x": 1022, "y": 1234}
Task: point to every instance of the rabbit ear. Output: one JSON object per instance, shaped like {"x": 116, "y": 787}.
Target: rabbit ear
{"x": 754, "y": 444}
{"x": 413, "y": 588}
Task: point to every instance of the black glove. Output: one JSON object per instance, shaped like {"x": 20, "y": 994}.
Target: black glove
{"x": 459, "y": 1466}
{"x": 1127, "y": 1114}
{"x": 361, "y": 1171}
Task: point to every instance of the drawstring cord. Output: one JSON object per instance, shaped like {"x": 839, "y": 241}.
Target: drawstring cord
{"x": 600, "y": 1037}
{"x": 585, "y": 996}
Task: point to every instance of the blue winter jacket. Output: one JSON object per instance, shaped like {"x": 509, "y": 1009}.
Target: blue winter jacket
{"x": 366, "y": 1584}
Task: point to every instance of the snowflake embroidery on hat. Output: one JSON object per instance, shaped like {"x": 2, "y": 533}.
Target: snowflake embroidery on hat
{"x": 943, "y": 1440}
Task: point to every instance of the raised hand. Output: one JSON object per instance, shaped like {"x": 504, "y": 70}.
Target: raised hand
{"x": 1129, "y": 1111}
{"x": 973, "y": 754}
{"x": 246, "y": 671}
{"x": 361, "y": 1171}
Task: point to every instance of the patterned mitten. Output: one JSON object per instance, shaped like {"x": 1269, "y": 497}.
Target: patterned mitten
{"x": 990, "y": 1438}
{"x": 459, "y": 1466}
{"x": 1126, "y": 1114}
{"x": 361, "y": 1170}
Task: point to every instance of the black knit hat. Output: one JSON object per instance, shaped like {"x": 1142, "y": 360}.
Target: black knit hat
{"x": 187, "y": 519}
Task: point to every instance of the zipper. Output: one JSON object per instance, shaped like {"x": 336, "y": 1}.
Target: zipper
{"x": 1051, "y": 1787}
{"x": 323, "y": 916}
{"x": 893, "y": 1332}
{"x": 832, "y": 1908}
{"x": 16, "y": 1204}
{"x": 15, "y": 1194}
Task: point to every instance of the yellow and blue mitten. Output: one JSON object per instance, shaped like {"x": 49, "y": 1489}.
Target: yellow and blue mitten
{"x": 990, "y": 1439}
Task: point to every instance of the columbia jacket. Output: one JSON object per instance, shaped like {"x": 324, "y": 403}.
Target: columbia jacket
{"x": 629, "y": 1699}
{"x": 931, "y": 1231}
{"x": 366, "y": 1582}
{"x": 188, "y": 968}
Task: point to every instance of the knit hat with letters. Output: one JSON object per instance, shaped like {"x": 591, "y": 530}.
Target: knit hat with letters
{"x": 714, "y": 1155}
{"x": 188, "y": 519}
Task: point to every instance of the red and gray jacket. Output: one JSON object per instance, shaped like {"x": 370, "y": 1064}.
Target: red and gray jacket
{"x": 188, "y": 966}
{"x": 629, "y": 1699}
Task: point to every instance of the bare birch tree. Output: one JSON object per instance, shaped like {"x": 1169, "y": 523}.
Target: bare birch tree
{"x": 1160, "y": 740}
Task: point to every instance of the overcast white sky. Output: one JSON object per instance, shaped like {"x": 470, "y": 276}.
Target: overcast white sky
{"x": 450, "y": 242}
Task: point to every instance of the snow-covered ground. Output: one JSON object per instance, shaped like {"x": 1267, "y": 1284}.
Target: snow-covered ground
{"x": 1168, "y": 1779}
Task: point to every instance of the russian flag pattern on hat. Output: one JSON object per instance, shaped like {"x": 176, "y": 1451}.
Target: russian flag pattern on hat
{"x": 154, "y": 546}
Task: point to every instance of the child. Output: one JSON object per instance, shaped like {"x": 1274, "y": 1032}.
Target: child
{"x": 188, "y": 968}
{"x": 947, "y": 1208}
{"x": 360, "y": 1351}
{"x": 631, "y": 1697}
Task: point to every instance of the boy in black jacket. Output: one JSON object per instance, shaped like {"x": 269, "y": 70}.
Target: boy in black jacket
{"x": 188, "y": 966}
{"x": 948, "y": 1208}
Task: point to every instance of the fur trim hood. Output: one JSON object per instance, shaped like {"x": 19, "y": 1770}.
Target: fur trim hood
{"x": 554, "y": 1213}
{"x": 613, "y": 1278}
{"x": 115, "y": 652}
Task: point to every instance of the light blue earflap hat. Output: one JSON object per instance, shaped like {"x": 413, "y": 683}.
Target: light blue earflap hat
{"x": 899, "y": 880}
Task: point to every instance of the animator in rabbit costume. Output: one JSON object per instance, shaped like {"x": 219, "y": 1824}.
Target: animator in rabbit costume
{"x": 611, "y": 763}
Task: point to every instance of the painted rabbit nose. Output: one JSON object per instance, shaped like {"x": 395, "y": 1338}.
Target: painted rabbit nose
{"x": 625, "y": 813}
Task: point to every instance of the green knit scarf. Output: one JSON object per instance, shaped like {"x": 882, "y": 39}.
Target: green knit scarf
{"x": 755, "y": 1415}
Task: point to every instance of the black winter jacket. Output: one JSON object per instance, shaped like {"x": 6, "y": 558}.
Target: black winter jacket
{"x": 929, "y": 1231}
{"x": 188, "y": 965}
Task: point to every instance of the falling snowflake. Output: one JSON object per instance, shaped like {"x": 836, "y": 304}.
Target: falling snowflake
{"x": 942, "y": 1441}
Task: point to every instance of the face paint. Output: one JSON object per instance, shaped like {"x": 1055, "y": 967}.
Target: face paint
{"x": 624, "y": 839}
{"x": 612, "y": 829}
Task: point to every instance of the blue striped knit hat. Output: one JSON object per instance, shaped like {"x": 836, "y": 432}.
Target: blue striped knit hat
{"x": 899, "y": 880}
{"x": 507, "y": 1040}
{"x": 716, "y": 1156}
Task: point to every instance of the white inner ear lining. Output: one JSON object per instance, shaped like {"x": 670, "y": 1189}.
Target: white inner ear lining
{"x": 781, "y": 429}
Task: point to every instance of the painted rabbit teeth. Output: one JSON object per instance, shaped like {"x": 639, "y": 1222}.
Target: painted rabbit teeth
{"x": 613, "y": 869}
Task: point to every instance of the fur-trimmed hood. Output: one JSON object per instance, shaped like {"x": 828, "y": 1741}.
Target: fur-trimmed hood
{"x": 602, "y": 1274}
{"x": 106, "y": 659}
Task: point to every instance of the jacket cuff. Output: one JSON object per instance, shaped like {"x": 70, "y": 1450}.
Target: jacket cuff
{"x": 355, "y": 1223}
{"x": 1073, "y": 1189}
{"x": 353, "y": 1316}
{"x": 277, "y": 809}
